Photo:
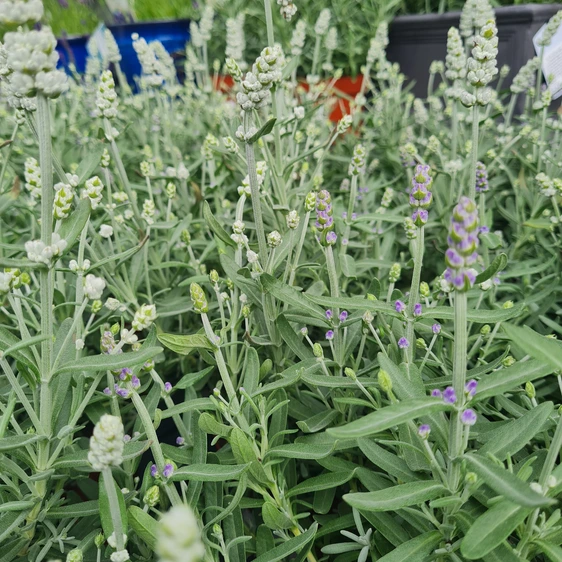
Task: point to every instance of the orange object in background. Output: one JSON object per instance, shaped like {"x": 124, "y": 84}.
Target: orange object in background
{"x": 350, "y": 87}
{"x": 346, "y": 86}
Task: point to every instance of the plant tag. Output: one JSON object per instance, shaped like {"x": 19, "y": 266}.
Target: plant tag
{"x": 552, "y": 60}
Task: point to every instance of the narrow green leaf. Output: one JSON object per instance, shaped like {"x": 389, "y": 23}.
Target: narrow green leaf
{"x": 389, "y": 462}
{"x": 513, "y": 436}
{"x": 292, "y": 339}
{"x": 104, "y": 510}
{"x": 318, "y": 422}
{"x": 145, "y": 526}
{"x": 200, "y": 404}
{"x": 506, "y": 483}
{"x": 72, "y": 226}
{"x": 388, "y": 417}
{"x": 475, "y": 315}
{"x": 415, "y": 550}
{"x": 105, "y": 362}
{"x": 492, "y": 528}
{"x": 509, "y": 378}
{"x": 82, "y": 509}
{"x": 273, "y": 518}
{"x": 301, "y": 451}
{"x": 291, "y": 296}
{"x": 90, "y": 162}
{"x": 16, "y": 506}
{"x": 17, "y": 441}
{"x": 499, "y": 264}
{"x": 322, "y": 482}
{"x": 284, "y": 550}
{"x": 265, "y": 129}
{"x": 191, "y": 378}
{"x": 546, "y": 350}
{"x": 553, "y": 551}
{"x": 209, "y": 472}
{"x": 396, "y": 497}
{"x": 216, "y": 226}
{"x": 184, "y": 345}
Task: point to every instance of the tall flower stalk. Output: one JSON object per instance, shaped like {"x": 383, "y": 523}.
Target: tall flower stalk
{"x": 460, "y": 257}
{"x": 420, "y": 200}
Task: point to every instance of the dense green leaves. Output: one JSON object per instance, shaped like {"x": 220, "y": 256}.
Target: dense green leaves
{"x": 388, "y": 417}
{"x": 545, "y": 349}
{"x": 396, "y": 497}
{"x": 492, "y": 528}
{"x": 505, "y": 483}
{"x": 184, "y": 345}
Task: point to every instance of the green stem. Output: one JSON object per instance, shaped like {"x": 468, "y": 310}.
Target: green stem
{"x": 459, "y": 376}
{"x": 45, "y": 277}
{"x": 472, "y": 184}
{"x": 154, "y": 443}
{"x": 109, "y": 485}
{"x": 254, "y": 187}
{"x": 414, "y": 292}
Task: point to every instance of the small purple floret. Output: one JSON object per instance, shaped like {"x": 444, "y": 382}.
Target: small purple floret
{"x": 153, "y": 471}
{"x": 343, "y": 315}
{"x": 436, "y": 393}
{"x": 417, "y": 309}
{"x": 330, "y": 335}
{"x": 180, "y": 441}
{"x": 424, "y": 431}
{"x": 436, "y": 328}
{"x": 468, "y": 417}
{"x": 449, "y": 396}
{"x": 403, "y": 343}
{"x": 399, "y": 306}
{"x": 470, "y": 387}
{"x": 168, "y": 471}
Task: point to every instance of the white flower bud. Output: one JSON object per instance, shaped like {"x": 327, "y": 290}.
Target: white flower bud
{"x": 144, "y": 317}
{"x": 93, "y": 287}
{"x": 106, "y": 231}
{"x": 179, "y": 537}
{"x": 106, "y": 444}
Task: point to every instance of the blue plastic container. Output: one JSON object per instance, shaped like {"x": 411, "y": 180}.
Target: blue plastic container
{"x": 73, "y": 50}
{"x": 172, "y": 34}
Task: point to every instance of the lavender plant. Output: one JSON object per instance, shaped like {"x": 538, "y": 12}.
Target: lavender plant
{"x": 231, "y": 329}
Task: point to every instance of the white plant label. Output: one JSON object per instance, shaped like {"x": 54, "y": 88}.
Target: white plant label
{"x": 552, "y": 60}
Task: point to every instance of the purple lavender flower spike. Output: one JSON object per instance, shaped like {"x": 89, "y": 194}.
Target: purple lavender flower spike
{"x": 417, "y": 309}
{"x": 153, "y": 471}
{"x": 168, "y": 471}
{"x": 436, "y": 328}
{"x": 468, "y": 417}
{"x": 481, "y": 178}
{"x": 329, "y": 314}
{"x": 436, "y": 393}
{"x": 180, "y": 441}
{"x": 470, "y": 387}
{"x": 403, "y": 343}
{"x": 463, "y": 243}
{"x": 399, "y": 306}
{"x": 424, "y": 431}
{"x": 420, "y": 196}
{"x": 324, "y": 218}
{"x": 343, "y": 315}
{"x": 449, "y": 395}
{"x": 168, "y": 386}
{"x": 330, "y": 335}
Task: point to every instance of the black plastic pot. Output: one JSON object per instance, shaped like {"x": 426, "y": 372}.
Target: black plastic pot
{"x": 416, "y": 41}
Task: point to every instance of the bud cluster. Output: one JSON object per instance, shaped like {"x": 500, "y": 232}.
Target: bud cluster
{"x": 420, "y": 196}
{"x": 324, "y": 219}
{"x": 106, "y": 444}
{"x": 463, "y": 242}
{"x": 106, "y": 97}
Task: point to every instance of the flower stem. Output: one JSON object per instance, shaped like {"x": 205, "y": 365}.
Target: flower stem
{"x": 459, "y": 376}
{"x": 109, "y": 485}
{"x": 414, "y": 292}
{"x": 472, "y": 183}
